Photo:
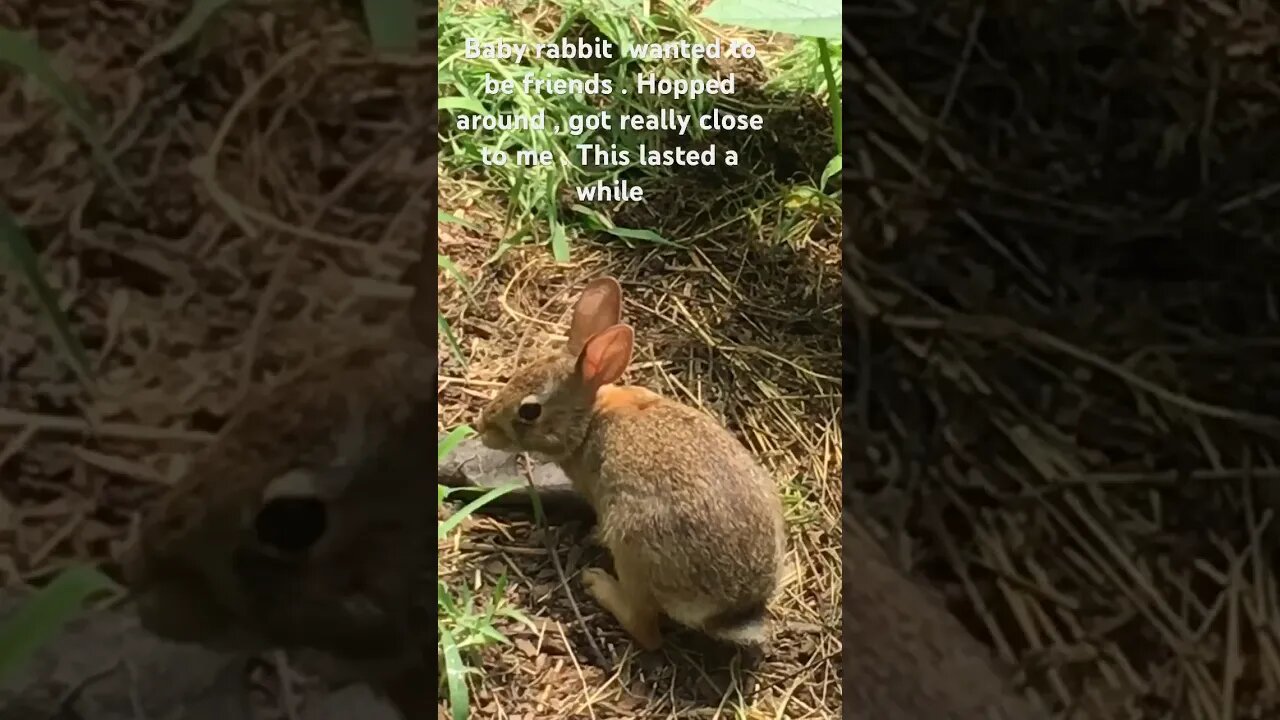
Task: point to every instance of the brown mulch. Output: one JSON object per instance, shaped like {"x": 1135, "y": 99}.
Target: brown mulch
{"x": 1062, "y": 353}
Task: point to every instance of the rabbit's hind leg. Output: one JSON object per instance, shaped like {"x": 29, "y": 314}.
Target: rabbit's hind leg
{"x": 627, "y": 600}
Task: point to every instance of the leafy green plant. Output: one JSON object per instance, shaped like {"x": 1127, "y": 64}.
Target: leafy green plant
{"x": 534, "y": 191}
{"x": 43, "y": 615}
{"x": 465, "y": 621}
{"x": 818, "y": 19}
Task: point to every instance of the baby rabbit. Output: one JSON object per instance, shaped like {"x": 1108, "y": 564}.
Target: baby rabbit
{"x": 305, "y": 525}
{"x": 694, "y": 524}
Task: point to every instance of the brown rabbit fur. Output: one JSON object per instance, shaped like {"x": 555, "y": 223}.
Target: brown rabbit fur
{"x": 304, "y": 526}
{"x": 693, "y": 523}
{"x": 905, "y": 656}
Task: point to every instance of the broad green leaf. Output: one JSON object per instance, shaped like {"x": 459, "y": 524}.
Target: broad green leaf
{"x": 463, "y": 103}
{"x": 199, "y": 14}
{"x": 464, "y": 512}
{"x": 455, "y": 672}
{"x": 393, "y": 24}
{"x": 832, "y": 169}
{"x": 43, "y": 615}
{"x": 808, "y": 18}
{"x": 23, "y": 53}
{"x": 24, "y": 257}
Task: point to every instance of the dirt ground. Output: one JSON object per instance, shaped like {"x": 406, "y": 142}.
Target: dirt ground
{"x": 1062, "y": 348}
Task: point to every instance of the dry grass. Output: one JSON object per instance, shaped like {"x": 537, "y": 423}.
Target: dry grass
{"x": 1063, "y": 280}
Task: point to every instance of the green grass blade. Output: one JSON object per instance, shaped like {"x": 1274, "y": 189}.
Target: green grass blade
{"x": 393, "y": 24}
{"x": 444, "y": 262}
{"x": 24, "y": 257}
{"x": 455, "y": 672}
{"x": 43, "y": 615}
{"x": 559, "y": 239}
{"x": 444, "y": 217}
{"x": 23, "y": 53}
{"x": 194, "y": 21}
{"x": 559, "y": 242}
{"x": 639, "y": 234}
{"x": 454, "y": 346}
{"x": 447, "y": 525}
{"x": 833, "y": 93}
{"x": 463, "y": 103}
{"x": 809, "y": 18}
{"x": 451, "y": 440}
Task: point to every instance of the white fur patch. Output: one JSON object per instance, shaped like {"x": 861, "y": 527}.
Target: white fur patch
{"x": 294, "y": 483}
{"x": 753, "y": 633}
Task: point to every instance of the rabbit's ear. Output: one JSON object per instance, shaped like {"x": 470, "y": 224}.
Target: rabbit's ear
{"x": 600, "y": 307}
{"x": 605, "y": 356}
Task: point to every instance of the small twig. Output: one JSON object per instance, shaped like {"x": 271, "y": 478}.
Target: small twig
{"x": 540, "y": 520}
{"x": 122, "y": 431}
{"x": 66, "y": 708}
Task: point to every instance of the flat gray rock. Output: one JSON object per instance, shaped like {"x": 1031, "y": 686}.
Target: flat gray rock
{"x": 104, "y": 666}
{"x": 474, "y": 469}
{"x": 349, "y": 703}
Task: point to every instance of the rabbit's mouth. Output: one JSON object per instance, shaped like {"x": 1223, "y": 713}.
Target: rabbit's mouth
{"x": 495, "y": 439}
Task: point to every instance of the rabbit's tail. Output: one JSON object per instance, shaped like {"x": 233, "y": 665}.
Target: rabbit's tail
{"x": 743, "y": 626}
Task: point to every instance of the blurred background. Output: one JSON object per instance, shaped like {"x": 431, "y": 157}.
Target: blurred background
{"x": 1061, "y": 335}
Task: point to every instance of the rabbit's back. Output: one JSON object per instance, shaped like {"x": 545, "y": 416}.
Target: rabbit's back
{"x": 684, "y": 500}
{"x": 905, "y": 656}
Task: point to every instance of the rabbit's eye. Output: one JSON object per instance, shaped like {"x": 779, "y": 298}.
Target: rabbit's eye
{"x": 529, "y": 411}
{"x": 291, "y": 524}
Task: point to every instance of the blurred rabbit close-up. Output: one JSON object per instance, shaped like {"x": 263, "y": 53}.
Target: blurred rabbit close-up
{"x": 693, "y": 523}
{"x": 305, "y": 525}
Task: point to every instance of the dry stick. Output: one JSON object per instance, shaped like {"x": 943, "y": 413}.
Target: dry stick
{"x": 123, "y": 431}
{"x": 966, "y": 55}
{"x": 276, "y": 281}
{"x": 540, "y": 519}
